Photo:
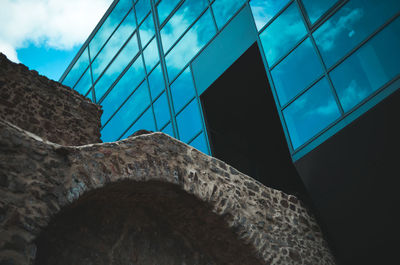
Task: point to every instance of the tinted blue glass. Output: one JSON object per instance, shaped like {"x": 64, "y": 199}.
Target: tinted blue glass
{"x": 373, "y": 65}
{"x": 165, "y": 8}
{"x": 156, "y": 82}
{"x": 116, "y": 41}
{"x": 147, "y": 30}
{"x": 200, "y": 144}
{"x": 190, "y": 44}
{"x": 168, "y": 130}
{"x": 224, "y": 10}
{"x": 180, "y": 21}
{"x": 118, "y": 65}
{"x": 315, "y": 9}
{"x": 128, "y": 113}
{"x": 109, "y": 26}
{"x": 296, "y": 71}
{"x": 264, "y": 10}
{"x": 310, "y": 113}
{"x": 189, "y": 122}
{"x": 145, "y": 122}
{"x": 161, "y": 110}
{"x": 282, "y": 34}
{"x": 150, "y": 54}
{"x": 351, "y": 25}
{"x": 128, "y": 82}
{"x": 77, "y": 70}
{"x": 84, "y": 83}
{"x": 142, "y": 8}
{"x": 182, "y": 90}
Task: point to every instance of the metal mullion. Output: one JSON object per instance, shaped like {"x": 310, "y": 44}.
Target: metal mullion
{"x": 328, "y": 14}
{"x": 213, "y": 17}
{"x": 91, "y": 78}
{"x": 164, "y": 69}
{"x": 145, "y": 17}
{"x": 147, "y": 44}
{"x": 194, "y": 137}
{"x": 186, "y": 30}
{"x": 184, "y": 106}
{"x": 130, "y": 126}
{"x": 275, "y": 17}
{"x": 289, "y": 52}
{"x": 144, "y": 63}
{"x": 122, "y": 104}
{"x": 171, "y": 13}
{"x": 333, "y": 90}
{"x": 80, "y": 77}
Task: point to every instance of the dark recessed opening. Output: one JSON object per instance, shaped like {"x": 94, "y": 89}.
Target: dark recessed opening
{"x": 244, "y": 127}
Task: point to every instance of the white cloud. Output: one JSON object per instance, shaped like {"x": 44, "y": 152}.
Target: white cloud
{"x": 56, "y": 24}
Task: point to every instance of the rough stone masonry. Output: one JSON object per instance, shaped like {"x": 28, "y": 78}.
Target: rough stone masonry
{"x": 148, "y": 199}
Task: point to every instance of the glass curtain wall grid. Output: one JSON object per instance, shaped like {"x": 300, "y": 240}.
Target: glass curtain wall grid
{"x": 137, "y": 63}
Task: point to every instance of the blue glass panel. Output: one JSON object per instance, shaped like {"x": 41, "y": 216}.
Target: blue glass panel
{"x": 147, "y": 30}
{"x": 156, "y": 82}
{"x": 142, "y": 8}
{"x": 182, "y": 90}
{"x": 118, "y": 65}
{"x": 373, "y": 65}
{"x": 351, "y": 25}
{"x": 113, "y": 45}
{"x": 165, "y": 8}
{"x": 296, "y": 71}
{"x": 190, "y": 44}
{"x": 161, "y": 110}
{"x": 77, "y": 70}
{"x": 279, "y": 37}
{"x": 84, "y": 83}
{"x": 168, "y": 130}
{"x": 109, "y": 26}
{"x": 264, "y": 10}
{"x": 128, "y": 82}
{"x": 224, "y": 10}
{"x": 310, "y": 113}
{"x": 145, "y": 122}
{"x": 200, "y": 144}
{"x": 180, "y": 21}
{"x": 189, "y": 122}
{"x": 128, "y": 113}
{"x": 315, "y": 9}
{"x": 151, "y": 56}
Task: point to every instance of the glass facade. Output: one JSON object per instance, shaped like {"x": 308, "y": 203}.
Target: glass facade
{"x": 324, "y": 59}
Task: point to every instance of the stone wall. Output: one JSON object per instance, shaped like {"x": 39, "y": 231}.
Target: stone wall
{"x": 45, "y": 107}
{"x": 149, "y": 199}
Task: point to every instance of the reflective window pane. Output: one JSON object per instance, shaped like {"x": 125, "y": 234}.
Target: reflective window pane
{"x": 189, "y": 122}
{"x": 131, "y": 109}
{"x": 109, "y": 26}
{"x": 77, "y": 70}
{"x": 164, "y": 8}
{"x": 190, "y": 44}
{"x": 310, "y": 113}
{"x": 156, "y": 82}
{"x": 182, "y": 90}
{"x": 224, "y": 10}
{"x": 351, "y": 25}
{"x": 264, "y": 10}
{"x": 122, "y": 89}
{"x": 142, "y": 8}
{"x": 84, "y": 83}
{"x": 147, "y": 30}
{"x": 279, "y": 37}
{"x": 315, "y": 9}
{"x": 151, "y": 56}
{"x": 200, "y": 144}
{"x": 161, "y": 110}
{"x": 180, "y": 21}
{"x": 373, "y": 65}
{"x": 118, "y": 65}
{"x": 145, "y": 122}
{"x": 168, "y": 130}
{"x": 118, "y": 39}
{"x": 296, "y": 71}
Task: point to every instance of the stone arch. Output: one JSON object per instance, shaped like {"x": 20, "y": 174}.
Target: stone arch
{"x": 50, "y": 180}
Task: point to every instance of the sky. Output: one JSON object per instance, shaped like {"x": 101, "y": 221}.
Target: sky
{"x": 45, "y": 35}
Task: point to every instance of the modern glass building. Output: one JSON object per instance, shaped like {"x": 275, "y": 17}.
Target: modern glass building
{"x": 262, "y": 84}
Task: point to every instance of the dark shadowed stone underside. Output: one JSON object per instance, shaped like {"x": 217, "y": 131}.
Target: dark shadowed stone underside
{"x": 149, "y": 199}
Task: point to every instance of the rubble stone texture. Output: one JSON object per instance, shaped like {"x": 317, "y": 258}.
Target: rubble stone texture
{"x": 148, "y": 199}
